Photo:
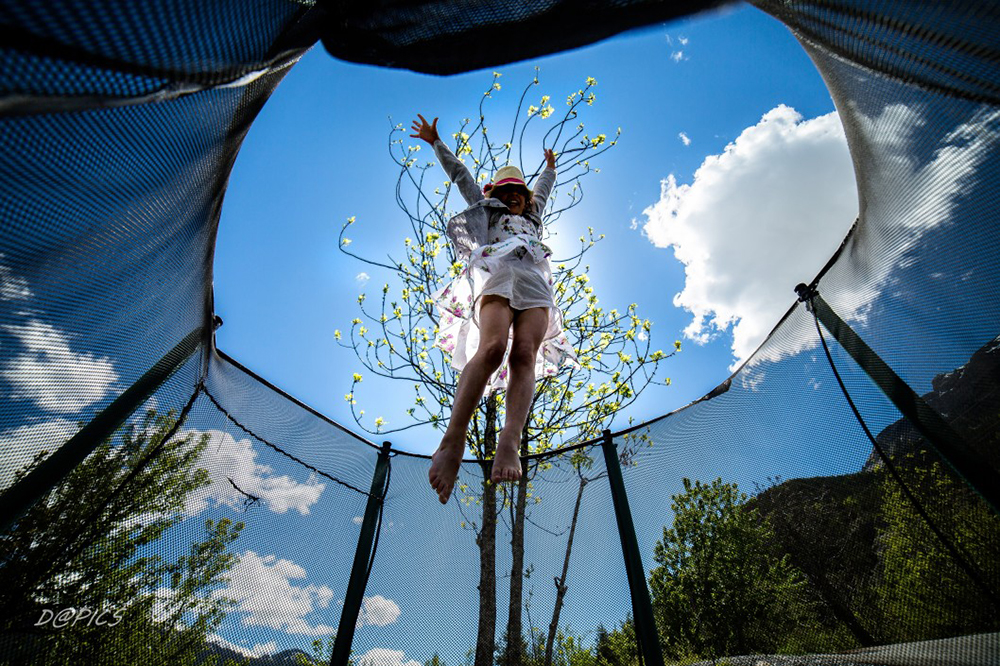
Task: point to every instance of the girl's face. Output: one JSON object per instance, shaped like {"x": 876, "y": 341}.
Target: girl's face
{"x": 513, "y": 197}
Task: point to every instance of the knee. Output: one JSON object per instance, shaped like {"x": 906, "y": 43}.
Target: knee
{"x": 491, "y": 354}
{"x": 522, "y": 354}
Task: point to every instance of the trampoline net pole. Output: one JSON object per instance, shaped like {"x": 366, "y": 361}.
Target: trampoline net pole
{"x": 642, "y": 607}
{"x": 940, "y": 436}
{"x": 362, "y": 562}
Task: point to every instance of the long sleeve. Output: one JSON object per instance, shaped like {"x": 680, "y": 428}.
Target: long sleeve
{"x": 458, "y": 173}
{"x": 543, "y": 187}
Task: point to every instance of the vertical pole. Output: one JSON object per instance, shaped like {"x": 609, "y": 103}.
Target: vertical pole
{"x": 940, "y": 436}
{"x": 20, "y": 497}
{"x": 362, "y": 560}
{"x": 642, "y": 607}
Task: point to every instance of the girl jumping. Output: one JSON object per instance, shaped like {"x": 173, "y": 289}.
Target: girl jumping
{"x": 503, "y": 299}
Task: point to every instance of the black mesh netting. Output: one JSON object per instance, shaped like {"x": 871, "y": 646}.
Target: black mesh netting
{"x": 771, "y": 522}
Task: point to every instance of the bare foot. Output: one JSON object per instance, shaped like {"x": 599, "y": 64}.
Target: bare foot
{"x": 506, "y": 462}
{"x": 444, "y": 468}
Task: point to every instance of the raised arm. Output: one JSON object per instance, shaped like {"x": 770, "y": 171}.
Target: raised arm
{"x": 456, "y": 170}
{"x": 545, "y": 181}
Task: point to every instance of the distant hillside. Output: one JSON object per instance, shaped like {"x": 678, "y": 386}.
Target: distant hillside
{"x": 968, "y": 398}
{"x": 830, "y": 526}
{"x": 283, "y": 658}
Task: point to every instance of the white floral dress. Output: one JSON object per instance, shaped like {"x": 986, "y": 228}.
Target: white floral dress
{"x": 504, "y": 256}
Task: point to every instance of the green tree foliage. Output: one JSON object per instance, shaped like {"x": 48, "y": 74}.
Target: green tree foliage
{"x": 85, "y": 548}
{"x": 924, "y": 591}
{"x": 618, "y": 647}
{"x": 826, "y": 525}
{"x": 570, "y": 649}
{"x": 717, "y": 589}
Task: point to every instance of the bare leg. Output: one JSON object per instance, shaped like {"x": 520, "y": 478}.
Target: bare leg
{"x": 529, "y": 330}
{"x": 495, "y": 317}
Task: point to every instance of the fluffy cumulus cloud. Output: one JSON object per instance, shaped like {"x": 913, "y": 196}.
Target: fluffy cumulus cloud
{"x": 385, "y": 657}
{"x": 226, "y": 458}
{"x": 257, "y": 651}
{"x": 49, "y": 373}
{"x": 378, "y": 611}
{"x": 20, "y": 444}
{"x": 757, "y": 219}
{"x": 264, "y": 592}
{"x": 44, "y": 368}
{"x": 770, "y": 210}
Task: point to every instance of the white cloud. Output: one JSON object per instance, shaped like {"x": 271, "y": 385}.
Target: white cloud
{"x": 21, "y": 444}
{"x": 263, "y": 591}
{"x": 769, "y": 211}
{"x": 362, "y": 278}
{"x": 12, "y": 287}
{"x": 162, "y": 598}
{"x": 259, "y": 650}
{"x": 757, "y": 220}
{"x": 378, "y": 611}
{"x": 385, "y": 657}
{"x": 685, "y": 139}
{"x": 678, "y": 54}
{"x": 934, "y": 185}
{"x": 49, "y": 373}
{"x": 226, "y": 458}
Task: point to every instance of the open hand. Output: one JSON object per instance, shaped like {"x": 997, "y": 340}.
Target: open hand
{"x": 550, "y": 158}
{"x": 424, "y": 130}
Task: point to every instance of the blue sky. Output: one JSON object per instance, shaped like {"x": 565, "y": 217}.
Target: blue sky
{"x": 317, "y": 154}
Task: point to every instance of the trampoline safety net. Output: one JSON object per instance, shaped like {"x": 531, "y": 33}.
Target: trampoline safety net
{"x": 833, "y": 502}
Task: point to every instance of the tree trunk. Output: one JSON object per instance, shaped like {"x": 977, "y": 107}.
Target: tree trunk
{"x": 561, "y": 581}
{"x": 514, "y": 649}
{"x": 486, "y": 540}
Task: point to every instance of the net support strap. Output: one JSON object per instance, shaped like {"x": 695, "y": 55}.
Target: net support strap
{"x": 17, "y": 499}
{"x": 362, "y": 562}
{"x": 642, "y": 607}
{"x": 941, "y": 437}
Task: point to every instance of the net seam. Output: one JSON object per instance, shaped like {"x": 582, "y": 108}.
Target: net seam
{"x": 278, "y": 449}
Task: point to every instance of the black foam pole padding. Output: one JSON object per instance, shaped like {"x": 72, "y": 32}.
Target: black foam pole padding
{"x": 20, "y": 497}
{"x": 362, "y": 558}
{"x": 642, "y": 606}
{"x": 940, "y": 436}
